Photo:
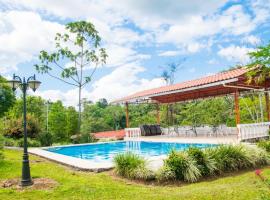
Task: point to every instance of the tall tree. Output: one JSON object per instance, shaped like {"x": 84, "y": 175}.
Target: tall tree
{"x": 7, "y": 98}
{"x": 58, "y": 122}
{"x": 168, "y": 75}
{"x": 77, "y": 51}
{"x": 260, "y": 59}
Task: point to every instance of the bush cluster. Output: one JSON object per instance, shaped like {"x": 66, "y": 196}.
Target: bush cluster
{"x": 46, "y": 139}
{"x": 265, "y": 144}
{"x": 14, "y": 127}
{"x": 83, "y": 138}
{"x": 30, "y": 142}
{"x": 9, "y": 142}
{"x": 194, "y": 163}
{"x": 132, "y": 166}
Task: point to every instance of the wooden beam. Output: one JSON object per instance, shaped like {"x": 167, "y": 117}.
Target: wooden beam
{"x": 267, "y": 105}
{"x": 158, "y": 114}
{"x": 127, "y": 116}
{"x": 236, "y": 107}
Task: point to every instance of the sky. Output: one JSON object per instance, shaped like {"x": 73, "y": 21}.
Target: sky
{"x": 141, "y": 38}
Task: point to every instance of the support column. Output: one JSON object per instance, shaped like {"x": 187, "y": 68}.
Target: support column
{"x": 158, "y": 114}
{"x": 127, "y": 117}
{"x": 267, "y": 105}
{"x": 236, "y": 107}
{"x": 237, "y": 112}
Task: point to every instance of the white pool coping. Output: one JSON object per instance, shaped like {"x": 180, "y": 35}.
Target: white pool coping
{"x": 154, "y": 162}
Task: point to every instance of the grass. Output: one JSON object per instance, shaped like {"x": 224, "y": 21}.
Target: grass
{"x": 85, "y": 185}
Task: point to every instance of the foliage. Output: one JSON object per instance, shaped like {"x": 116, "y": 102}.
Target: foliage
{"x": 97, "y": 117}
{"x": 45, "y": 139}
{"x": 35, "y": 108}
{"x": 71, "y": 121}
{"x": 77, "y": 50}
{"x": 1, "y": 147}
{"x": 83, "y": 138}
{"x": 230, "y": 158}
{"x": 206, "y": 165}
{"x": 130, "y": 165}
{"x": 265, "y": 144}
{"x": 184, "y": 166}
{"x": 9, "y": 142}
{"x": 30, "y": 142}
{"x": 14, "y": 127}
{"x": 258, "y": 156}
{"x": 57, "y": 122}
{"x": 260, "y": 64}
{"x": 7, "y": 97}
{"x": 165, "y": 174}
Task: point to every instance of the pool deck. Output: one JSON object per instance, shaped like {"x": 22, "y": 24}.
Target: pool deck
{"x": 154, "y": 162}
{"x": 200, "y": 140}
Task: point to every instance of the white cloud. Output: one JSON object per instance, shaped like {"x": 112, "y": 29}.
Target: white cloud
{"x": 235, "y": 53}
{"x": 152, "y": 14}
{"x": 122, "y": 81}
{"x": 232, "y": 21}
{"x": 251, "y": 39}
{"x": 170, "y": 53}
{"x": 120, "y": 55}
{"x": 22, "y": 35}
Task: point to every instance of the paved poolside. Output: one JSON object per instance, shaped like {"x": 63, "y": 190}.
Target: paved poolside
{"x": 202, "y": 140}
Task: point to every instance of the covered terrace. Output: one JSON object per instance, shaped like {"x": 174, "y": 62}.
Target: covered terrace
{"x": 232, "y": 82}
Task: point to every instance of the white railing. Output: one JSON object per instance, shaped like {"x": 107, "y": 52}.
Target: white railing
{"x": 202, "y": 131}
{"x": 132, "y": 132}
{"x": 252, "y": 131}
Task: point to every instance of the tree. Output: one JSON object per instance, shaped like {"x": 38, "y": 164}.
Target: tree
{"x": 72, "y": 121}
{"x": 168, "y": 75}
{"x": 260, "y": 62}
{"x": 76, "y": 51}
{"x": 57, "y": 122}
{"x": 7, "y": 98}
{"x": 35, "y": 107}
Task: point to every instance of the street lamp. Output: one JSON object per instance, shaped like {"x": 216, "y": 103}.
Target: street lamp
{"x": 24, "y": 85}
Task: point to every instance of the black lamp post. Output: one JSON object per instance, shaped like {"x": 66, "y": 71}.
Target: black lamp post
{"x": 24, "y": 85}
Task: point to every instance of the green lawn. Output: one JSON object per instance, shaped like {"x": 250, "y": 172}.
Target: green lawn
{"x": 84, "y": 185}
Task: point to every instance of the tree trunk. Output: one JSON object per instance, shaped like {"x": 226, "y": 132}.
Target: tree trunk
{"x": 80, "y": 110}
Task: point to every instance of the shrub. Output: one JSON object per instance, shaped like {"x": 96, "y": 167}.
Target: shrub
{"x": 165, "y": 174}
{"x": 265, "y": 144}
{"x": 184, "y": 166}
{"x": 30, "y": 142}
{"x": 45, "y": 139}
{"x": 9, "y": 142}
{"x": 132, "y": 166}
{"x": 230, "y": 158}
{"x": 14, "y": 127}
{"x": 83, "y": 138}
{"x": 206, "y": 165}
{"x": 258, "y": 156}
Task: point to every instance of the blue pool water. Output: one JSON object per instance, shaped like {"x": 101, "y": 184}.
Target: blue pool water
{"x": 106, "y": 151}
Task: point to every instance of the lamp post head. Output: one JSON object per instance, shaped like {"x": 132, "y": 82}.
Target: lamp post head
{"x": 33, "y": 83}
{"x": 14, "y": 83}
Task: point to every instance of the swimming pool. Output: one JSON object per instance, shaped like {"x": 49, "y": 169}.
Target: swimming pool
{"x": 99, "y": 152}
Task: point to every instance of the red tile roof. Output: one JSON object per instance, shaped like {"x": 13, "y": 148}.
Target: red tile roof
{"x": 188, "y": 84}
{"x": 119, "y": 134}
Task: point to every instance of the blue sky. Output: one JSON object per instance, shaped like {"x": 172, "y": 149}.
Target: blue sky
{"x": 141, "y": 38}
